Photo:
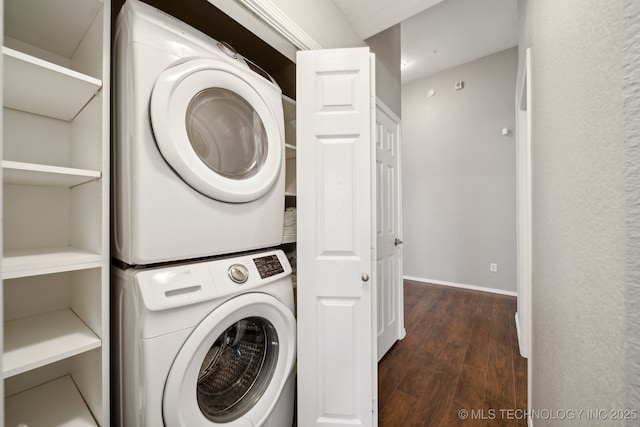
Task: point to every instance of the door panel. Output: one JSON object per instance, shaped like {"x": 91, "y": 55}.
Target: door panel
{"x": 337, "y": 379}
{"x": 389, "y": 230}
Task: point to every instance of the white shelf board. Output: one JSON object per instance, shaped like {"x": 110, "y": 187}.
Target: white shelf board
{"x": 35, "y": 341}
{"x": 289, "y": 107}
{"x": 33, "y": 262}
{"x": 45, "y": 175}
{"x": 290, "y": 151}
{"x": 44, "y": 88}
{"x": 56, "y": 403}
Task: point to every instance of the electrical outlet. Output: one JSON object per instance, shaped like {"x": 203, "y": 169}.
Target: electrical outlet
{"x": 493, "y": 267}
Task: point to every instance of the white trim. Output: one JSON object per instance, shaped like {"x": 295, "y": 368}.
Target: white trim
{"x": 463, "y": 286}
{"x": 524, "y": 102}
{"x": 271, "y": 15}
{"x": 520, "y": 337}
{"x": 529, "y": 422}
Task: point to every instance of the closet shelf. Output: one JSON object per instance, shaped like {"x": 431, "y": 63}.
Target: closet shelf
{"x": 289, "y": 108}
{"x": 55, "y": 403}
{"x": 33, "y": 262}
{"x": 45, "y": 175}
{"x": 35, "y": 341}
{"x": 44, "y": 88}
{"x": 290, "y": 151}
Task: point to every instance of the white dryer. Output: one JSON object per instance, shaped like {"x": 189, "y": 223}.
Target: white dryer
{"x": 206, "y": 344}
{"x": 199, "y": 144}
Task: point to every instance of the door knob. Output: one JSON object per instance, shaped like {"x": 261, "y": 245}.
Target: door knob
{"x": 397, "y": 242}
{"x": 365, "y": 277}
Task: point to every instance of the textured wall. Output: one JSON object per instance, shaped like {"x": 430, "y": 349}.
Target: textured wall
{"x": 459, "y": 174}
{"x": 631, "y": 93}
{"x": 580, "y": 212}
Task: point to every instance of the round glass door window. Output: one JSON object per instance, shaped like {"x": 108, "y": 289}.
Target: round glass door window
{"x": 226, "y": 133}
{"x": 220, "y": 133}
{"x": 237, "y": 369}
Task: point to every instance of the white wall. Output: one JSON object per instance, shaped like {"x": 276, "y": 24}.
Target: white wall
{"x": 584, "y": 207}
{"x": 321, "y": 20}
{"x": 459, "y": 174}
{"x": 387, "y": 47}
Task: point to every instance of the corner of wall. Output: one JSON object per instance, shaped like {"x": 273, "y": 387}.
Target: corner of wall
{"x": 631, "y": 111}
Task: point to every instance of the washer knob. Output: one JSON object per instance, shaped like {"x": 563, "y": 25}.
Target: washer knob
{"x": 238, "y": 273}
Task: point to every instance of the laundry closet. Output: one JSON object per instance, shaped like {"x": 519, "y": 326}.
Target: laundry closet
{"x": 202, "y": 297}
{"x": 58, "y": 223}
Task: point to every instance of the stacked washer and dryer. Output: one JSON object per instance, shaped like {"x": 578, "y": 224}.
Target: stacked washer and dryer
{"x": 204, "y": 330}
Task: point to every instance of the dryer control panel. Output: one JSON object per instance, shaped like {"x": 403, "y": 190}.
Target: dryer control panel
{"x": 268, "y": 266}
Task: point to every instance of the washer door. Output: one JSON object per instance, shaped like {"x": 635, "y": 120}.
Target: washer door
{"x": 216, "y": 130}
{"x": 233, "y": 367}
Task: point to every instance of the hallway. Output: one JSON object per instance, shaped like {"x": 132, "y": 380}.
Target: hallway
{"x": 460, "y": 354}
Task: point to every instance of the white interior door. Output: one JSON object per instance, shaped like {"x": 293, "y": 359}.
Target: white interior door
{"x": 388, "y": 229}
{"x": 337, "y": 369}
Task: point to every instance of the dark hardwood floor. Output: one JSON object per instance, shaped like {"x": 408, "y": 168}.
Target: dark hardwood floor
{"x": 460, "y": 354}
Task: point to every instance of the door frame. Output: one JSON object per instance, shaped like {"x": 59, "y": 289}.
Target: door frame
{"x": 524, "y": 208}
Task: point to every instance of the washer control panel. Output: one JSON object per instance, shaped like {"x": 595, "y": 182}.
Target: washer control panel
{"x": 238, "y": 273}
{"x": 268, "y": 266}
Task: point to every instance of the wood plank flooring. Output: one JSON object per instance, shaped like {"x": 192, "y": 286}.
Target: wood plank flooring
{"x": 460, "y": 353}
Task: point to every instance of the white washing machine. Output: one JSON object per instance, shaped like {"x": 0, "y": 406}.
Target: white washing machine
{"x": 199, "y": 144}
{"x": 206, "y": 344}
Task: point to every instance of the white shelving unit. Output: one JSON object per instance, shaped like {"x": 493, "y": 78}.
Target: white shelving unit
{"x": 55, "y": 163}
{"x": 289, "y": 106}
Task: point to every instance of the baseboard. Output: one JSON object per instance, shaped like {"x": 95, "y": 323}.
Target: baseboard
{"x": 522, "y": 353}
{"x": 462, "y": 285}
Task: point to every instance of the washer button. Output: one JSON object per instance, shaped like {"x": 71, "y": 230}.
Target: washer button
{"x": 238, "y": 273}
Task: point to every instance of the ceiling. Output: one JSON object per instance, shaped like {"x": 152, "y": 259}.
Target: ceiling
{"x": 437, "y": 35}
{"x": 369, "y": 17}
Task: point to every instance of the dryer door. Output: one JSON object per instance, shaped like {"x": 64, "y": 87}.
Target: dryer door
{"x": 217, "y": 131}
{"x": 234, "y": 365}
